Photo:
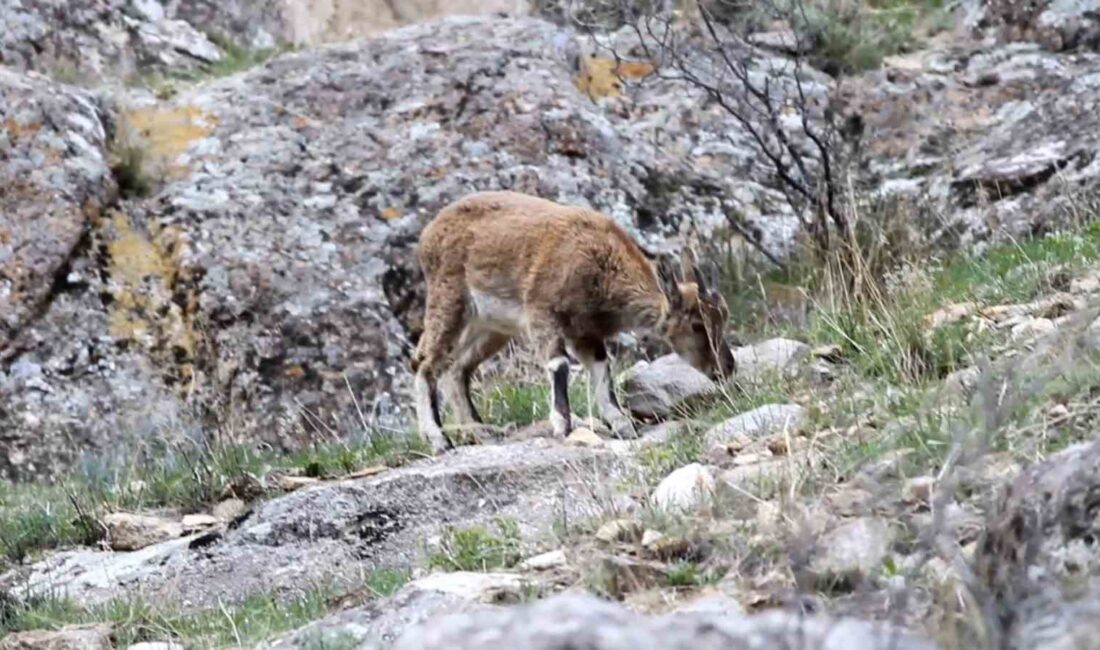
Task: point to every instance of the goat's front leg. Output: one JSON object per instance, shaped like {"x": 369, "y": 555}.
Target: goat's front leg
{"x": 594, "y": 357}
{"x": 552, "y": 346}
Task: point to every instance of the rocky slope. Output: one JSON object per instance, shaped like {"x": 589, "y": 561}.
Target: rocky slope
{"x": 269, "y": 279}
{"x": 232, "y": 259}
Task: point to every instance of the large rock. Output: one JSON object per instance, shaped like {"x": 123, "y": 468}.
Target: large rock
{"x": 583, "y": 621}
{"x": 87, "y": 40}
{"x": 336, "y": 532}
{"x": 56, "y": 179}
{"x": 979, "y": 134}
{"x": 1056, "y": 24}
{"x": 1039, "y": 556}
{"x": 657, "y": 389}
{"x": 67, "y": 386}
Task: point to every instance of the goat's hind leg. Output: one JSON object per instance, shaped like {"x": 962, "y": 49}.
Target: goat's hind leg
{"x": 443, "y": 321}
{"x": 475, "y": 345}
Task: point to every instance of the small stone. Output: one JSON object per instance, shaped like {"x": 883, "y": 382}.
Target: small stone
{"x": 70, "y": 637}
{"x": 771, "y": 356}
{"x": 1086, "y": 284}
{"x": 475, "y": 586}
{"x": 584, "y": 437}
{"x": 544, "y": 561}
{"x": 832, "y": 353}
{"x": 619, "y": 530}
{"x": 852, "y": 551}
{"x": 664, "y": 547}
{"x": 1058, "y": 413}
{"x": 229, "y": 509}
{"x": 195, "y": 522}
{"x": 684, "y": 488}
{"x": 131, "y": 532}
{"x": 919, "y": 490}
{"x": 1031, "y": 329}
{"x": 962, "y": 381}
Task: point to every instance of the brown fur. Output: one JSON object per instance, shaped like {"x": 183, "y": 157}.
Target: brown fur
{"x": 572, "y": 278}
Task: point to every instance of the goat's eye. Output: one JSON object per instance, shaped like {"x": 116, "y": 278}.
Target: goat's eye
{"x": 699, "y": 328}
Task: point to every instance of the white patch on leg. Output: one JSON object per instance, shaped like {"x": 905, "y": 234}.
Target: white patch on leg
{"x": 425, "y": 417}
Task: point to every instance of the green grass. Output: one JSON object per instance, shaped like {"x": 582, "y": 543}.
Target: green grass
{"x": 257, "y": 618}
{"x": 519, "y": 403}
{"x": 478, "y": 548}
{"x": 36, "y": 517}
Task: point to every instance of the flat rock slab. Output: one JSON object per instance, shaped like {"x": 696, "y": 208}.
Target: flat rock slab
{"x": 770, "y": 418}
{"x": 340, "y": 531}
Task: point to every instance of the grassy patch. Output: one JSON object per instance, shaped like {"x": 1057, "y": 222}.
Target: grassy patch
{"x": 478, "y": 548}
{"x": 36, "y": 517}
{"x": 689, "y": 574}
{"x": 505, "y": 403}
{"x": 257, "y": 618}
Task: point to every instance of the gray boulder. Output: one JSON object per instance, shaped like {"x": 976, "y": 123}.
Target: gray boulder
{"x": 584, "y": 621}
{"x": 91, "y": 40}
{"x": 656, "y": 389}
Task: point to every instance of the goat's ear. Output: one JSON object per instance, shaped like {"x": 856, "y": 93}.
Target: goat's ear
{"x": 670, "y": 286}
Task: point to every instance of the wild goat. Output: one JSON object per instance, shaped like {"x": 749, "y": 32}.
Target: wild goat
{"x": 499, "y": 264}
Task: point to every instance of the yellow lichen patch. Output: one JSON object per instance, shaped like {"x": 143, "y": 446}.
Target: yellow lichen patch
{"x": 603, "y": 77}
{"x": 390, "y": 213}
{"x": 144, "y": 272}
{"x": 17, "y": 129}
{"x": 164, "y": 133}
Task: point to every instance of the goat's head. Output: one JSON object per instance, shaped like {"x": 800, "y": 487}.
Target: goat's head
{"x": 695, "y": 325}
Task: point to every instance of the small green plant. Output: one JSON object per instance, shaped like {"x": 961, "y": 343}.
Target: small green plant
{"x": 689, "y": 574}
{"x": 478, "y": 548}
{"x": 386, "y": 581}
